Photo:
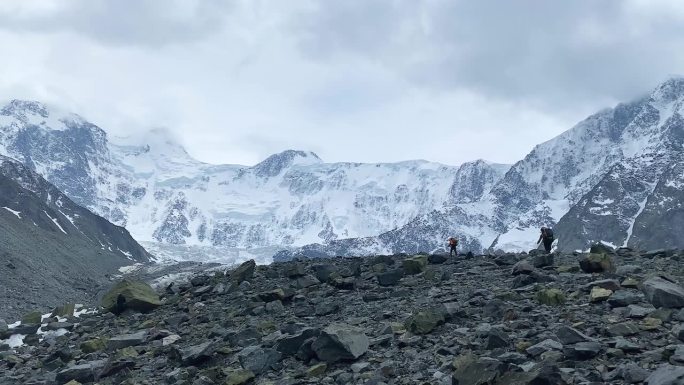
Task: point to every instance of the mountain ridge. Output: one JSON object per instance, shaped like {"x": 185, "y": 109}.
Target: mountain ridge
{"x": 293, "y": 199}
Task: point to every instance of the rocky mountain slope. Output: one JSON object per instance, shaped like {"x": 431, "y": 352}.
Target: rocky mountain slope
{"x": 601, "y": 318}
{"x": 52, "y": 249}
{"x": 614, "y": 177}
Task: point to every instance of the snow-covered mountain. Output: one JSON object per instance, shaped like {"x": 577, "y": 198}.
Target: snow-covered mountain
{"x": 615, "y": 177}
{"x": 150, "y": 185}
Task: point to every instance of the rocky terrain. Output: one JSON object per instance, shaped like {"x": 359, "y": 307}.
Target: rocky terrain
{"x": 51, "y": 249}
{"x": 608, "y": 317}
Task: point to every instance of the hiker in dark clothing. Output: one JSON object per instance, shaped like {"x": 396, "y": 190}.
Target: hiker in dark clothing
{"x": 547, "y": 237}
{"x": 453, "y": 242}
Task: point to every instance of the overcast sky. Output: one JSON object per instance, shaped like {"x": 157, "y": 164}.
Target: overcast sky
{"x": 352, "y": 80}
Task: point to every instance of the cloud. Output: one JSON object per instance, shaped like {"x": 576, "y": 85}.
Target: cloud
{"x": 547, "y": 53}
{"x": 352, "y": 80}
{"x": 149, "y": 23}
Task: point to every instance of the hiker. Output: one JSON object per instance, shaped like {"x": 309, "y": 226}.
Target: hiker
{"x": 453, "y": 242}
{"x": 547, "y": 237}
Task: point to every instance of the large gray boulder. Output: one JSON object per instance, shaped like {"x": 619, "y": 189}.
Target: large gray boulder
{"x": 340, "y": 342}
{"x": 244, "y": 272}
{"x": 667, "y": 375}
{"x": 130, "y": 294}
{"x": 663, "y": 293}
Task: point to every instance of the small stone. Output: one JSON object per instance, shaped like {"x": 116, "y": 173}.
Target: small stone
{"x": 94, "y": 345}
{"x": 544, "y": 346}
{"x": 239, "y": 377}
{"x": 568, "y": 335}
{"x": 551, "y": 297}
{"x": 316, "y": 370}
{"x": 599, "y": 294}
{"x": 424, "y": 321}
{"x": 650, "y": 323}
{"x": 126, "y": 340}
{"x": 623, "y": 329}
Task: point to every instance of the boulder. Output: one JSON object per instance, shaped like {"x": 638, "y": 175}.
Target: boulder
{"x": 126, "y": 340}
{"x": 508, "y": 259}
{"x": 678, "y": 332}
{"x": 666, "y": 375}
{"x": 543, "y": 347}
{"x": 543, "y": 260}
{"x": 239, "y": 377}
{"x": 423, "y": 322}
{"x": 624, "y": 298}
{"x": 339, "y": 342}
{"x": 4, "y": 329}
{"x": 323, "y": 271}
{"x": 243, "y": 272}
{"x": 436, "y": 259}
{"x": 551, "y": 297}
{"x": 193, "y": 355}
{"x": 568, "y": 335}
{"x": 288, "y": 345}
{"x": 199, "y": 280}
{"x": 597, "y": 263}
{"x": 623, "y": 329}
{"x": 608, "y": 284}
{"x": 294, "y": 270}
{"x": 257, "y": 359}
{"x": 600, "y": 248}
{"x": 545, "y": 374}
{"x": 130, "y": 294}
{"x": 93, "y": 345}
{"x": 469, "y": 370}
{"x": 415, "y": 265}
{"x": 390, "y": 278}
{"x": 307, "y": 280}
{"x": 522, "y": 267}
{"x": 663, "y": 293}
{"x": 599, "y": 294}
{"x": 33, "y": 317}
{"x": 582, "y": 350}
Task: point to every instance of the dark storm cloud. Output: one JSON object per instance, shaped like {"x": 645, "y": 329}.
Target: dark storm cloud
{"x": 545, "y": 52}
{"x": 124, "y": 22}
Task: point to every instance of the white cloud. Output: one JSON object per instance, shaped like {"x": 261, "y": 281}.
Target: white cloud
{"x": 369, "y": 80}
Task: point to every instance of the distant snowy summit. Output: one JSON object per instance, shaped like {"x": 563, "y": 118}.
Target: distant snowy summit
{"x": 616, "y": 177}
{"x": 150, "y": 184}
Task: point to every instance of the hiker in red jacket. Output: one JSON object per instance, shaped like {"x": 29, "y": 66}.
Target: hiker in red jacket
{"x": 453, "y": 242}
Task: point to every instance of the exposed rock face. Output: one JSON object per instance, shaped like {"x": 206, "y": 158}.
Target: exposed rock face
{"x": 467, "y": 327}
{"x": 53, "y": 251}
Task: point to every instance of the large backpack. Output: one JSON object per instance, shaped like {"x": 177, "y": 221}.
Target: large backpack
{"x": 548, "y": 233}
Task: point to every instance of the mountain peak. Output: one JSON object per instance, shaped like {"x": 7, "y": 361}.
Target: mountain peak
{"x": 275, "y": 163}
{"x": 669, "y": 90}
{"x": 23, "y": 108}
